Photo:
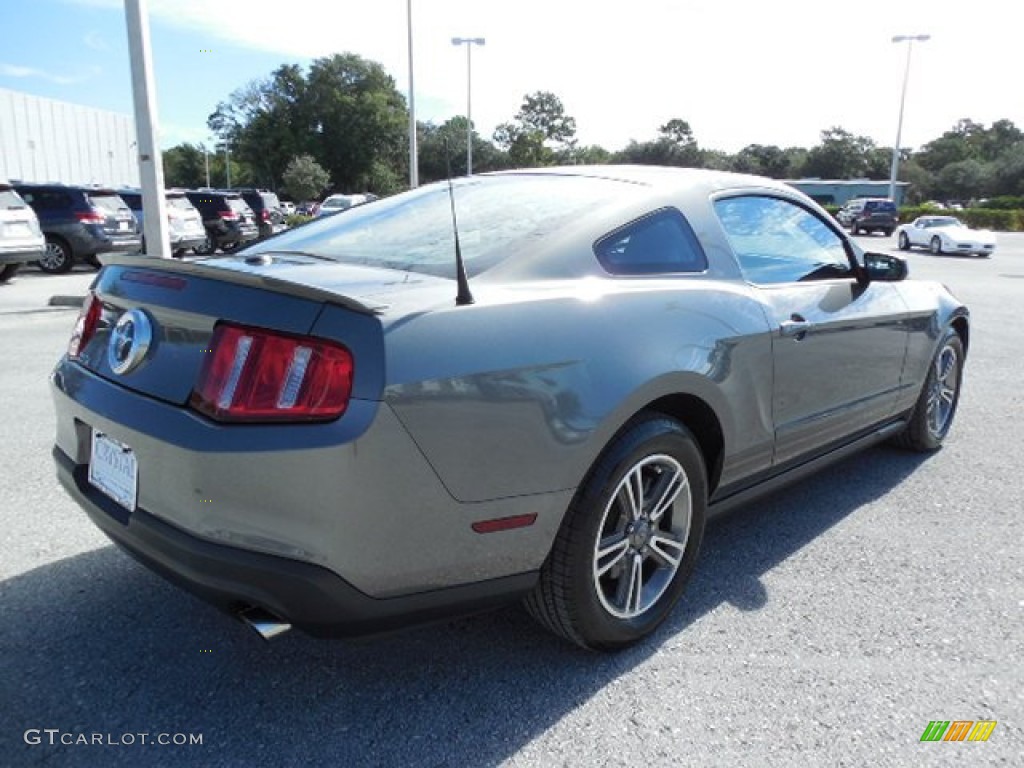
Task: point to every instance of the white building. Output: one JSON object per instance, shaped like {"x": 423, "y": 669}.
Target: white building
{"x": 46, "y": 140}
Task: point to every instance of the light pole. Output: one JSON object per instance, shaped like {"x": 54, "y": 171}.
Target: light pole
{"x": 894, "y": 169}
{"x": 469, "y": 42}
{"x": 414, "y": 170}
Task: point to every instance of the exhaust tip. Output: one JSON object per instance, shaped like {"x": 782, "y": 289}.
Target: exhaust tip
{"x": 267, "y": 625}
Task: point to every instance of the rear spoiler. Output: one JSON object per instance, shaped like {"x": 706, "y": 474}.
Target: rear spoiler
{"x": 228, "y": 275}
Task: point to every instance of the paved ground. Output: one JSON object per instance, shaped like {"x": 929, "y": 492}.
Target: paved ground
{"x": 826, "y": 625}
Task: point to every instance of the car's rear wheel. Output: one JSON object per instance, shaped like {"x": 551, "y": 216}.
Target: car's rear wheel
{"x": 904, "y": 242}
{"x": 206, "y": 248}
{"x": 887, "y": 232}
{"x": 940, "y": 395}
{"x": 630, "y": 539}
{"x": 936, "y": 245}
{"x": 8, "y": 271}
{"x": 57, "y": 258}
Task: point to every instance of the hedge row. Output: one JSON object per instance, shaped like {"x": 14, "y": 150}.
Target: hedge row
{"x": 978, "y": 218}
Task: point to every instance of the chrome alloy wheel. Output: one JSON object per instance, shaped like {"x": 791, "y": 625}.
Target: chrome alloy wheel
{"x": 642, "y": 536}
{"x": 944, "y": 391}
{"x": 54, "y": 258}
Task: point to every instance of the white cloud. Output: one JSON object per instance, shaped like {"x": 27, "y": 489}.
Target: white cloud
{"x": 15, "y": 70}
{"x": 94, "y": 40}
{"x": 740, "y": 71}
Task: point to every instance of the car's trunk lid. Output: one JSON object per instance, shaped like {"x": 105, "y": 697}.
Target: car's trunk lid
{"x": 183, "y": 301}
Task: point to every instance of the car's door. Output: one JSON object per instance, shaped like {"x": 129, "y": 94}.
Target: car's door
{"x": 917, "y": 232}
{"x": 838, "y": 343}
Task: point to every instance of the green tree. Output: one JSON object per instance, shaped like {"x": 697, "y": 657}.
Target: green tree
{"x": 439, "y": 143}
{"x": 964, "y": 180}
{"x": 841, "y": 155}
{"x": 345, "y": 112}
{"x": 185, "y": 166}
{"x": 304, "y": 179}
{"x": 762, "y": 160}
{"x": 540, "y": 134}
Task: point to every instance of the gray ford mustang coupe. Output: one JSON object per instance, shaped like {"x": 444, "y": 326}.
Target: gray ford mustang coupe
{"x": 527, "y": 385}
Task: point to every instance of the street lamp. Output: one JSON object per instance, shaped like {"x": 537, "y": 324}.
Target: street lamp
{"x": 414, "y": 171}
{"x": 894, "y": 169}
{"x": 469, "y": 42}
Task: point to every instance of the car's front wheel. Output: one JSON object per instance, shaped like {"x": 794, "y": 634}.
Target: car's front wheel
{"x": 8, "y": 271}
{"x": 904, "y": 242}
{"x": 940, "y": 395}
{"x": 207, "y": 248}
{"x": 57, "y": 257}
{"x": 936, "y": 245}
{"x": 630, "y": 539}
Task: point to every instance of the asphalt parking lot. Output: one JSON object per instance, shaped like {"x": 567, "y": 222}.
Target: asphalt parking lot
{"x": 826, "y": 625}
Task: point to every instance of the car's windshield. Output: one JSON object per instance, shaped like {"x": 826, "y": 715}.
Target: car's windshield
{"x": 497, "y": 216}
{"x": 944, "y": 221}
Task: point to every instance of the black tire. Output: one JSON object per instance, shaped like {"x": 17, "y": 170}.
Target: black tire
{"x": 572, "y": 598}
{"x": 936, "y": 405}
{"x": 93, "y": 261}
{"x": 904, "y": 242}
{"x": 8, "y": 271}
{"x": 178, "y": 253}
{"x": 206, "y": 248}
{"x": 58, "y": 257}
{"x": 935, "y": 246}
{"x": 887, "y": 232}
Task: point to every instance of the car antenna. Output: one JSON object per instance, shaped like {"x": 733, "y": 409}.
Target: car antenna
{"x": 463, "y": 296}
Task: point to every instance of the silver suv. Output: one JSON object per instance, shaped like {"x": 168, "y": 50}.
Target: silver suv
{"x": 21, "y": 239}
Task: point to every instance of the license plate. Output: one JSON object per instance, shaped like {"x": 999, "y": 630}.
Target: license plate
{"x": 16, "y": 229}
{"x": 123, "y": 226}
{"x": 114, "y": 470}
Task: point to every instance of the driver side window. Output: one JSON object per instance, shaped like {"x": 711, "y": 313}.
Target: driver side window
{"x": 777, "y": 241}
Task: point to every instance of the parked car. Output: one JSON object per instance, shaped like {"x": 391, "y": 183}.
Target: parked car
{"x": 185, "y": 225}
{"x": 267, "y": 210}
{"x": 307, "y": 208}
{"x": 287, "y": 208}
{"x": 363, "y": 424}
{"x": 21, "y": 239}
{"x": 869, "y": 214}
{"x": 229, "y": 222}
{"x": 80, "y": 223}
{"x": 338, "y": 203}
{"x": 945, "y": 234}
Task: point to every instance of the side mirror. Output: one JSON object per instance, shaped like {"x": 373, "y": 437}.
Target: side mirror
{"x": 885, "y": 267}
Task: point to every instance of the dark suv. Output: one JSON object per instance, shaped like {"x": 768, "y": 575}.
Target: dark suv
{"x": 79, "y": 223}
{"x": 267, "y": 208}
{"x": 869, "y": 214}
{"x": 230, "y": 223}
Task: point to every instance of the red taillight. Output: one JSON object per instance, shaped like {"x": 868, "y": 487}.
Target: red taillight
{"x": 265, "y": 214}
{"x": 85, "y": 326}
{"x": 257, "y": 375}
{"x": 91, "y": 216}
{"x": 229, "y": 215}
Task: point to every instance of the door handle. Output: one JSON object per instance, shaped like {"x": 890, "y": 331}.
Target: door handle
{"x": 796, "y": 327}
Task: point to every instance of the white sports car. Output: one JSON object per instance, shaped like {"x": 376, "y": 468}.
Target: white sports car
{"x": 945, "y": 234}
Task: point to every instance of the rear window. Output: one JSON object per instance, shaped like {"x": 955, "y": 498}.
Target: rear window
{"x": 882, "y": 206}
{"x": 237, "y": 204}
{"x": 180, "y": 202}
{"x": 112, "y": 203}
{"x": 270, "y": 200}
{"x": 10, "y": 200}
{"x": 498, "y": 217}
{"x": 658, "y": 244}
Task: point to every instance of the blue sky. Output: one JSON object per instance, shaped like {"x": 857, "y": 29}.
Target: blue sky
{"x": 740, "y": 71}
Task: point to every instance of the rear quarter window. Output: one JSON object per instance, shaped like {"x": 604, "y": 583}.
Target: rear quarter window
{"x": 660, "y": 243}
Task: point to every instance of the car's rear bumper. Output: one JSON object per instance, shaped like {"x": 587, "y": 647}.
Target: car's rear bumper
{"x": 306, "y": 595}
{"x": 20, "y": 254}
